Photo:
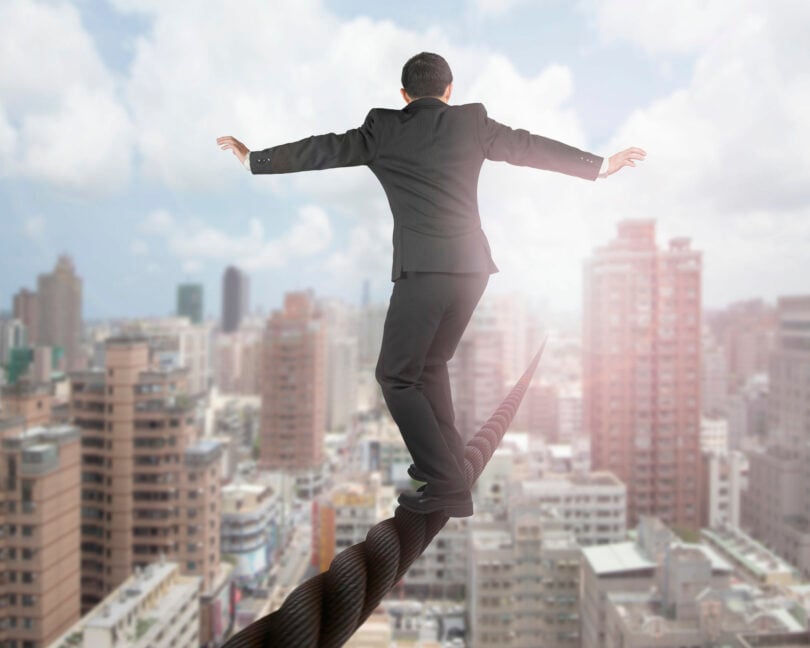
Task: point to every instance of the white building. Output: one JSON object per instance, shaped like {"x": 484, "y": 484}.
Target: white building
{"x": 713, "y": 434}
{"x": 249, "y": 528}
{"x": 155, "y": 608}
{"x": 12, "y": 336}
{"x": 714, "y": 378}
{"x": 725, "y": 479}
{"x": 593, "y": 506}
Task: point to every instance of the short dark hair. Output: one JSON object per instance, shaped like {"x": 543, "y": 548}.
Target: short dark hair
{"x": 426, "y": 75}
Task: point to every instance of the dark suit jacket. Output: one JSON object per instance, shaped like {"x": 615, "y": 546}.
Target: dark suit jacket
{"x": 427, "y": 157}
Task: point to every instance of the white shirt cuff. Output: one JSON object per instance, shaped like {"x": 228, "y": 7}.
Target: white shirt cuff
{"x": 246, "y": 163}
{"x": 603, "y": 169}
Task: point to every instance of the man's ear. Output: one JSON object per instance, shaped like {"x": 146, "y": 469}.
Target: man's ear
{"x": 405, "y": 95}
{"x": 447, "y": 92}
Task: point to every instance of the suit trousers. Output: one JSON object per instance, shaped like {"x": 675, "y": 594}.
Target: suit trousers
{"x": 426, "y": 317}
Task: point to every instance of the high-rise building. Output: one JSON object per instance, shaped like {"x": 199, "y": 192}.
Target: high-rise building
{"x": 714, "y": 380}
{"x": 235, "y": 298}
{"x": 342, "y": 352}
{"x": 40, "y": 518}
{"x": 26, "y": 309}
{"x": 477, "y": 371}
{"x": 31, "y": 401}
{"x": 724, "y": 477}
{"x": 237, "y": 360}
{"x": 746, "y": 331}
{"x": 776, "y": 508}
{"x": 293, "y": 418}
{"x": 190, "y": 302}
{"x": 13, "y": 335}
{"x": 147, "y": 487}
{"x": 177, "y": 343}
{"x": 59, "y": 317}
{"x": 641, "y": 385}
{"x": 748, "y": 413}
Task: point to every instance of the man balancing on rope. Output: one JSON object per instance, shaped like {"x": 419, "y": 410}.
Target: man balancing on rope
{"x": 427, "y": 156}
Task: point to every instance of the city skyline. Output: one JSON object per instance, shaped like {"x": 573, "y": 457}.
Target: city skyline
{"x": 146, "y": 199}
{"x": 221, "y": 476}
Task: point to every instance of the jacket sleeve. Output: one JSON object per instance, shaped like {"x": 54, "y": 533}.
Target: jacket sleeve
{"x": 522, "y": 148}
{"x": 352, "y": 148}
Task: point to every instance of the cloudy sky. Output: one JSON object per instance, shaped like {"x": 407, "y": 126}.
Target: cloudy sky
{"x": 109, "y": 112}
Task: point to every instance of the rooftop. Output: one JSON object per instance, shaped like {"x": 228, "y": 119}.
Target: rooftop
{"x": 617, "y": 558}
{"x": 750, "y": 554}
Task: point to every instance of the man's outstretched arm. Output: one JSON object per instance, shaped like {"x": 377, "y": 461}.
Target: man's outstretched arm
{"x": 352, "y": 148}
{"x": 522, "y": 148}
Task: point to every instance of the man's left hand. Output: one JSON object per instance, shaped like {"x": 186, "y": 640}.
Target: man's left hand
{"x": 625, "y": 158}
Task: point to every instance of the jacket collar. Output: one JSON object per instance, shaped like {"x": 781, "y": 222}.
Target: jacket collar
{"x": 425, "y": 102}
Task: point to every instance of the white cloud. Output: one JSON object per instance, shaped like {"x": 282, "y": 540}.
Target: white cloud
{"x": 682, "y": 27}
{"x": 194, "y": 242}
{"x": 729, "y": 150}
{"x": 139, "y": 247}
{"x": 34, "y": 227}
{"x": 85, "y": 144}
{"x": 192, "y": 266}
{"x": 497, "y": 7}
{"x": 72, "y": 131}
{"x": 725, "y": 151}
{"x": 8, "y": 143}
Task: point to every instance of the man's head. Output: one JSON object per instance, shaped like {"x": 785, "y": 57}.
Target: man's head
{"x": 426, "y": 75}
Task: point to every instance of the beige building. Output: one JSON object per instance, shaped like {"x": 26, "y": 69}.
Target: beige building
{"x": 523, "y": 585}
{"x": 237, "y": 360}
{"x": 31, "y": 401}
{"x": 176, "y": 343}
{"x": 148, "y": 488}
{"x": 39, "y": 544}
{"x": 59, "y": 311}
{"x": 642, "y": 385}
{"x": 156, "y": 607}
{"x": 293, "y": 418}
{"x": 343, "y": 517}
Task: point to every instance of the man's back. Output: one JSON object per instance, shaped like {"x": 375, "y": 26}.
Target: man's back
{"x": 428, "y": 157}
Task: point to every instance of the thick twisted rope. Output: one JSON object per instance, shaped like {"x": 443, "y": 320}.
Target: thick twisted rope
{"x": 326, "y": 610}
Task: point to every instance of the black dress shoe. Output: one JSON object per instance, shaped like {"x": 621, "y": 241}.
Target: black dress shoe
{"x": 458, "y": 504}
{"x": 416, "y": 474}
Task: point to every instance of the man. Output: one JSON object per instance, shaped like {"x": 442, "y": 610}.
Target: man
{"x": 427, "y": 157}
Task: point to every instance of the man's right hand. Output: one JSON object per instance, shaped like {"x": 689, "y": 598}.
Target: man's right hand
{"x": 239, "y": 150}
